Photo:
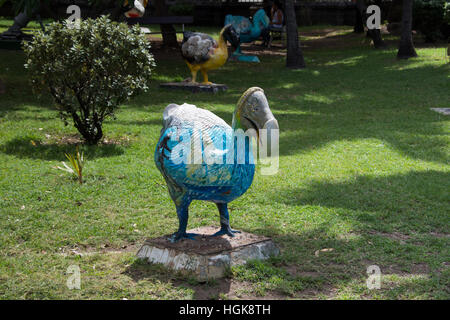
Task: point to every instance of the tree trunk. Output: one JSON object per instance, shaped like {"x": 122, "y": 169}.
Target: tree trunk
{"x": 294, "y": 57}
{"x": 2, "y": 87}
{"x": 359, "y": 24}
{"x": 375, "y": 35}
{"x": 406, "y": 48}
{"x": 168, "y": 31}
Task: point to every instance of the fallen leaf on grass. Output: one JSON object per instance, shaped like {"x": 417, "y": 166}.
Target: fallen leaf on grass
{"x": 316, "y": 253}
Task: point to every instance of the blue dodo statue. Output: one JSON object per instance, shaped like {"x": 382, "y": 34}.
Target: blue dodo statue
{"x": 202, "y": 158}
{"x": 248, "y": 31}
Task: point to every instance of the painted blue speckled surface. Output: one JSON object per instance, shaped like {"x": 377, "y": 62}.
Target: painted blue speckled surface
{"x": 219, "y": 183}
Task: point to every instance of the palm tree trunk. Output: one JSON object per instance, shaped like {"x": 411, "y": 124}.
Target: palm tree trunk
{"x": 406, "y": 48}
{"x": 294, "y": 57}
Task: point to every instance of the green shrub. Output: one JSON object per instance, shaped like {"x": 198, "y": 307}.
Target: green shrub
{"x": 447, "y": 12}
{"x": 429, "y": 19}
{"x": 89, "y": 70}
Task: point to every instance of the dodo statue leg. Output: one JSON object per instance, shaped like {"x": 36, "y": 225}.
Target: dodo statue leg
{"x": 183, "y": 216}
{"x": 205, "y": 78}
{"x": 194, "y": 76}
{"x": 194, "y": 71}
{"x": 224, "y": 221}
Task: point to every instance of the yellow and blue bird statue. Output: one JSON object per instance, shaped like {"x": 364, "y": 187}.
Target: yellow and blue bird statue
{"x": 203, "y": 53}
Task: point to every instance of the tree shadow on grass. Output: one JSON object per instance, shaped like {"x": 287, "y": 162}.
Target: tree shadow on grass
{"x": 398, "y": 116}
{"x": 28, "y": 147}
{"x": 413, "y": 202}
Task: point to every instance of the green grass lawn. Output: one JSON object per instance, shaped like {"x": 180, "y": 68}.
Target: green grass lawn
{"x": 364, "y": 171}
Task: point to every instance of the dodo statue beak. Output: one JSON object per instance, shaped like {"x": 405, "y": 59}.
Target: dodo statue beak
{"x": 256, "y": 114}
{"x": 272, "y": 129}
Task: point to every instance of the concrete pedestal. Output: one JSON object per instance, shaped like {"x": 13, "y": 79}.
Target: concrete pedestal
{"x": 244, "y": 58}
{"x": 207, "y": 257}
{"x": 194, "y": 87}
{"x": 444, "y": 111}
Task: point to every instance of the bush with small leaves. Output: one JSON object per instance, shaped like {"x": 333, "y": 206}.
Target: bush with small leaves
{"x": 89, "y": 70}
{"x": 428, "y": 18}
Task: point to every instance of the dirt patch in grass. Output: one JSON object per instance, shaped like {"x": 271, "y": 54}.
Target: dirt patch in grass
{"x": 415, "y": 268}
{"x": 104, "y": 248}
{"x": 327, "y": 292}
{"x": 392, "y": 235}
{"x": 402, "y": 238}
{"x": 257, "y": 49}
{"x": 439, "y": 235}
{"x": 444, "y": 267}
{"x": 316, "y": 39}
{"x": 76, "y": 139}
{"x": 295, "y": 271}
{"x": 420, "y": 268}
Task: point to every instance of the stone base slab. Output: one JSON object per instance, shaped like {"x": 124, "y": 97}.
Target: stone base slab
{"x": 207, "y": 257}
{"x": 194, "y": 87}
{"x": 444, "y": 111}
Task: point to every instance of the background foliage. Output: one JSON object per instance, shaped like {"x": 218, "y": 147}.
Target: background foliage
{"x": 429, "y": 19}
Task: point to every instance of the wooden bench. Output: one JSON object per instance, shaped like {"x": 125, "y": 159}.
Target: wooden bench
{"x": 279, "y": 33}
{"x": 162, "y": 20}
